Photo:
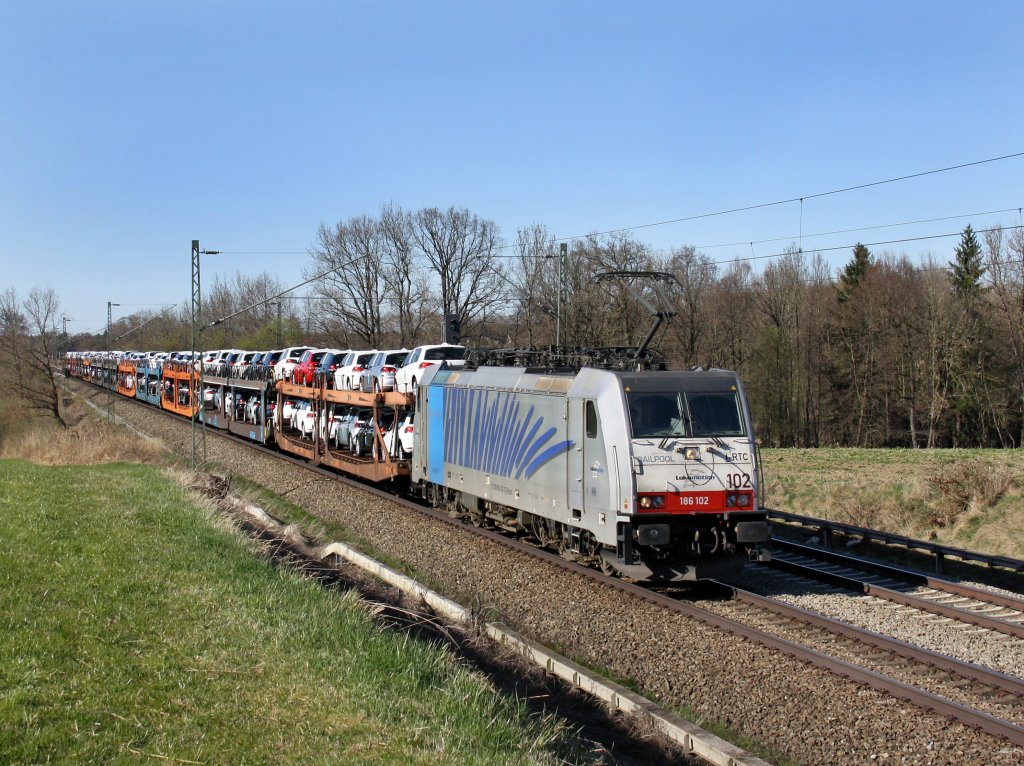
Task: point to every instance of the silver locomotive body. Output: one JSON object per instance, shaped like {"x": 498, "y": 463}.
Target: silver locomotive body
{"x": 651, "y": 474}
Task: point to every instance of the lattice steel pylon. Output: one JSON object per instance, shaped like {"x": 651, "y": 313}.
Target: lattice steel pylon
{"x": 196, "y": 391}
{"x": 563, "y": 290}
{"x": 111, "y": 382}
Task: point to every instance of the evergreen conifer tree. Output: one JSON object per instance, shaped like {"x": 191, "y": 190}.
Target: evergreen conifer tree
{"x": 854, "y": 271}
{"x": 967, "y": 269}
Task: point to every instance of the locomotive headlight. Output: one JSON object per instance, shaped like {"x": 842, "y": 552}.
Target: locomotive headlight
{"x": 651, "y": 502}
{"x": 691, "y": 453}
{"x": 734, "y": 499}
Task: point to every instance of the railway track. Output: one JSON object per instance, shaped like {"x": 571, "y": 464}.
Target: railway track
{"x": 946, "y": 561}
{"x": 967, "y": 604}
{"x": 970, "y": 693}
{"x": 974, "y": 696}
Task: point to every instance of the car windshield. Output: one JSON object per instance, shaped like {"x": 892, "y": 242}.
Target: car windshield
{"x": 441, "y": 354}
{"x": 704, "y": 413}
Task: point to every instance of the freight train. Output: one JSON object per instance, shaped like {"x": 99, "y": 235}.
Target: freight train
{"x": 646, "y": 473}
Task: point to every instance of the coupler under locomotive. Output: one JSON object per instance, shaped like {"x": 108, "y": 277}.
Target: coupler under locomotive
{"x": 674, "y": 549}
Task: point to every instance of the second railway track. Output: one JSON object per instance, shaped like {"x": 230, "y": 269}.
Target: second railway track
{"x": 959, "y": 689}
{"x": 971, "y": 605}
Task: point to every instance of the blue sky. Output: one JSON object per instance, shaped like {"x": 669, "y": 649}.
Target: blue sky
{"x": 128, "y": 129}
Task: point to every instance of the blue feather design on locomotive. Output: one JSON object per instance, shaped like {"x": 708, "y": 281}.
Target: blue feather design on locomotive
{"x": 489, "y": 431}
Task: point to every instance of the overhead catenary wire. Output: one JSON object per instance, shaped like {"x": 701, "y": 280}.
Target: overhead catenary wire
{"x": 849, "y": 246}
{"x": 801, "y": 199}
{"x": 139, "y": 327}
{"x": 682, "y": 219}
{"x": 277, "y": 296}
{"x": 752, "y": 257}
{"x": 868, "y": 244}
{"x": 800, "y": 237}
{"x": 791, "y": 200}
{"x": 850, "y": 231}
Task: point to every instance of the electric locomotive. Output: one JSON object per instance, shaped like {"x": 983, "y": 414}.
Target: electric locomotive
{"x": 650, "y": 474}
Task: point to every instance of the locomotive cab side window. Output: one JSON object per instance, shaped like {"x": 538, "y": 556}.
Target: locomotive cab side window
{"x": 590, "y": 415}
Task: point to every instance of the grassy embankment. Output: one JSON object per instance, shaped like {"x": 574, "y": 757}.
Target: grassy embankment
{"x": 968, "y": 498}
{"x": 136, "y": 626}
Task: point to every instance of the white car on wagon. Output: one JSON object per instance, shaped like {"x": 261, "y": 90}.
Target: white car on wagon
{"x": 420, "y": 358}
{"x": 289, "y": 358}
{"x": 346, "y": 376}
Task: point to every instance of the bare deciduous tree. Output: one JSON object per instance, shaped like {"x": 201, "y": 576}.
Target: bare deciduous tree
{"x": 462, "y": 249}
{"x": 409, "y": 293}
{"x": 28, "y": 342}
{"x": 535, "y": 275}
{"x": 696, "y": 275}
{"x": 1005, "y": 264}
{"x": 607, "y": 312}
{"x": 354, "y": 289}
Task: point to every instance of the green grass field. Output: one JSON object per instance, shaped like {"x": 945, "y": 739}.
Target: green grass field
{"x": 136, "y": 627}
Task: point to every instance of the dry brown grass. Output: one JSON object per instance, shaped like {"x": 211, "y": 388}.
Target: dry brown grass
{"x": 969, "y": 498}
{"x": 968, "y": 489}
{"x": 89, "y": 440}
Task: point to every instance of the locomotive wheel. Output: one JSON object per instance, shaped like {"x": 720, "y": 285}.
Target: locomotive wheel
{"x": 539, "y": 529}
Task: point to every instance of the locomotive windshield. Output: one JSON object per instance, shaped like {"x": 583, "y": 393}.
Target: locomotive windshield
{"x": 677, "y": 413}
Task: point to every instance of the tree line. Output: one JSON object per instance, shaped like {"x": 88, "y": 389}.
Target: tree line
{"x": 886, "y": 352}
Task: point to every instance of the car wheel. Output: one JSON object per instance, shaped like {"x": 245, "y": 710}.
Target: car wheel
{"x": 357, "y": 448}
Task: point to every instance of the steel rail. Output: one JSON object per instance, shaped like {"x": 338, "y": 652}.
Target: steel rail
{"x": 939, "y": 551}
{"x": 898, "y": 597}
{"x": 919, "y": 697}
{"x": 900, "y": 573}
{"x": 967, "y": 670}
